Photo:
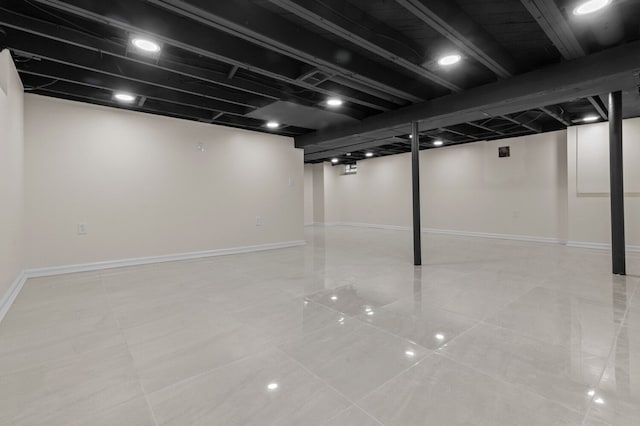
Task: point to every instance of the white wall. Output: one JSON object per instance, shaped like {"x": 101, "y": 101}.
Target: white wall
{"x": 589, "y": 212}
{"x": 308, "y": 194}
{"x": 143, "y": 188}
{"x": 11, "y": 173}
{"x": 463, "y": 188}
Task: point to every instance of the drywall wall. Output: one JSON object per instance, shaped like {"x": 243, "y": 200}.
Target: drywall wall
{"x": 463, "y": 188}
{"x": 588, "y": 175}
{"x": 11, "y": 174}
{"x": 146, "y": 185}
{"x": 308, "y": 194}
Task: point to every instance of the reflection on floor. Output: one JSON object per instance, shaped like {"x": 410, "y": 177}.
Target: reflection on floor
{"x": 344, "y": 331}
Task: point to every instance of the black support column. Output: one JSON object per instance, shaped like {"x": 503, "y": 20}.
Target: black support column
{"x": 617, "y": 184}
{"x": 415, "y": 178}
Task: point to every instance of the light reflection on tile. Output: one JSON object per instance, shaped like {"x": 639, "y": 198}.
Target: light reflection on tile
{"x": 239, "y": 394}
{"x": 521, "y": 333}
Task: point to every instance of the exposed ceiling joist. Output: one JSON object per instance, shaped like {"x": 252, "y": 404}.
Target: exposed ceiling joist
{"x": 455, "y": 132}
{"x": 275, "y": 33}
{"x": 557, "y": 114}
{"x": 527, "y": 124}
{"x": 552, "y": 22}
{"x": 94, "y": 61}
{"x": 70, "y": 74}
{"x": 326, "y": 16}
{"x": 450, "y": 21}
{"x": 485, "y": 128}
{"x": 136, "y": 17}
{"x": 612, "y": 69}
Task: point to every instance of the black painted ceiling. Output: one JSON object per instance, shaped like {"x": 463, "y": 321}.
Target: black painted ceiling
{"x": 239, "y": 63}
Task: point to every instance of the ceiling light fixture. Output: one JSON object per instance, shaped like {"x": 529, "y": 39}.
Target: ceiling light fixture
{"x": 590, "y": 6}
{"x": 449, "y": 60}
{"x": 369, "y": 154}
{"x": 146, "y": 45}
{"x": 334, "y": 160}
{"x": 437, "y": 143}
{"x": 124, "y": 97}
{"x": 590, "y": 118}
{"x": 334, "y": 102}
{"x": 273, "y": 124}
{"x": 272, "y": 386}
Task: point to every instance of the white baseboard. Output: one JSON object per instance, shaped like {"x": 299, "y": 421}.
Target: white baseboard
{"x": 368, "y": 225}
{"x": 512, "y": 237}
{"x": 451, "y": 232}
{"x": 69, "y": 269}
{"x": 11, "y": 294}
{"x": 598, "y": 246}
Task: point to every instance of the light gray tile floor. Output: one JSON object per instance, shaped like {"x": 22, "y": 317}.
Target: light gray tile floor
{"x": 343, "y": 331}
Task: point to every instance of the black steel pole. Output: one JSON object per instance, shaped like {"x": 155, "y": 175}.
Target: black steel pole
{"x": 415, "y": 178}
{"x": 617, "y": 184}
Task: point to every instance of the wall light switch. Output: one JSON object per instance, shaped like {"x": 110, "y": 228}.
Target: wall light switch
{"x": 82, "y": 228}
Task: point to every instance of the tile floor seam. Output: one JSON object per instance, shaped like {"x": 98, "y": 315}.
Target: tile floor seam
{"x": 536, "y": 339}
{"x": 349, "y": 400}
{"x": 359, "y": 408}
{"x": 613, "y": 345}
{"x": 133, "y": 364}
{"x": 520, "y": 386}
{"x": 211, "y": 370}
{"x": 366, "y": 324}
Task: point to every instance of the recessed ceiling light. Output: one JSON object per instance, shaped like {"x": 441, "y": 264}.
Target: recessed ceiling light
{"x": 146, "y": 45}
{"x": 449, "y": 60}
{"x": 440, "y": 336}
{"x": 437, "y": 143}
{"x": 273, "y": 124}
{"x": 124, "y": 97}
{"x": 590, "y": 118}
{"x": 409, "y": 353}
{"x": 369, "y": 154}
{"x": 334, "y": 298}
{"x": 334, "y": 102}
{"x": 591, "y": 6}
{"x": 348, "y": 154}
{"x": 272, "y": 386}
{"x": 599, "y": 401}
{"x": 334, "y": 160}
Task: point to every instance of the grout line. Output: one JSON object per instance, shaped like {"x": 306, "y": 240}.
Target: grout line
{"x": 133, "y": 365}
{"x": 611, "y": 349}
{"x": 353, "y": 403}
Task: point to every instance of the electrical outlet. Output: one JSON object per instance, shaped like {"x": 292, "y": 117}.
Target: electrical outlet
{"x": 258, "y": 220}
{"x": 82, "y": 228}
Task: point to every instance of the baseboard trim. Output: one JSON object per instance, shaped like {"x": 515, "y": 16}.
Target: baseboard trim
{"x": 598, "y": 246}
{"x": 85, "y": 267}
{"x": 14, "y": 289}
{"x": 367, "y": 225}
{"x": 512, "y": 237}
{"x": 452, "y": 232}
{"x": 11, "y": 294}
